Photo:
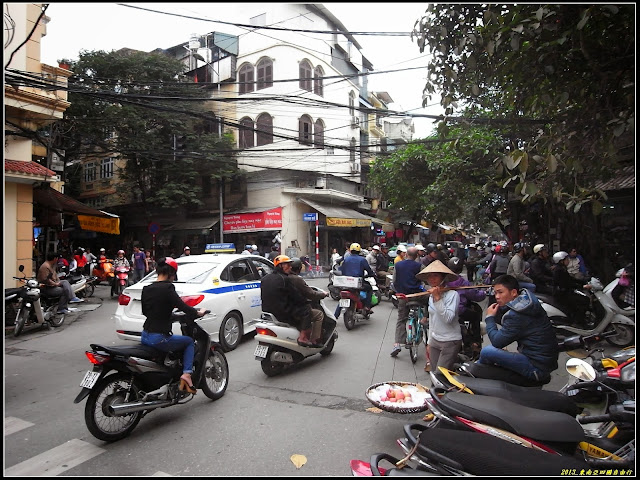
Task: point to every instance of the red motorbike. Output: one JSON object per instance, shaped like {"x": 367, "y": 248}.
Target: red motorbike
{"x": 352, "y": 298}
{"x": 121, "y": 280}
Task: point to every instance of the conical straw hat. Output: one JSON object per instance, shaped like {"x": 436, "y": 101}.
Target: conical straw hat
{"x": 437, "y": 267}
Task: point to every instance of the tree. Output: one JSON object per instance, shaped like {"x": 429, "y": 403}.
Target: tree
{"x": 133, "y": 105}
{"x": 561, "y": 77}
{"x": 444, "y": 181}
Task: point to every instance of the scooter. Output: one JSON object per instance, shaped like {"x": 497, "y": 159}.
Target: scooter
{"x": 334, "y": 291}
{"x": 121, "y": 280}
{"x": 608, "y": 317}
{"x": 277, "y": 346}
{"x": 127, "y": 382}
{"x": 104, "y": 272}
{"x": 352, "y": 299}
{"x": 77, "y": 281}
{"x": 35, "y": 307}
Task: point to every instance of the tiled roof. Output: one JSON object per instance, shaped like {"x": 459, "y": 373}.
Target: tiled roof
{"x": 29, "y": 168}
{"x": 625, "y": 178}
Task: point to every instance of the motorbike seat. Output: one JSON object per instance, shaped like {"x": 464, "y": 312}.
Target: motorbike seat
{"x": 479, "y": 370}
{"x": 139, "y": 350}
{"x": 11, "y": 291}
{"x": 542, "y": 425}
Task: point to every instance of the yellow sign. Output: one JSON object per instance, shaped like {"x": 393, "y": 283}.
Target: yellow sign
{"x": 99, "y": 224}
{"x": 348, "y": 222}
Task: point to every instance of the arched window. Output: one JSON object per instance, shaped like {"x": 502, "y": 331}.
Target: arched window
{"x": 245, "y": 78}
{"x": 265, "y": 73}
{"x": 304, "y": 130}
{"x": 352, "y": 149}
{"x": 306, "y": 75}
{"x": 246, "y": 133}
{"x": 318, "y": 134}
{"x": 265, "y": 129}
{"x": 318, "y": 81}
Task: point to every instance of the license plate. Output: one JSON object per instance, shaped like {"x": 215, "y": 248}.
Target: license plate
{"x": 345, "y": 302}
{"x": 90, "y": 379}
{"x": 261, "y": 351}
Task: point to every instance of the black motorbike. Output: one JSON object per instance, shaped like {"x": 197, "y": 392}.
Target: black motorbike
{"x": 129, "y": 381}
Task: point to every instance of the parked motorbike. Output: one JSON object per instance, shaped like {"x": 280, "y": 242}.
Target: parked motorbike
{"x": 605, "y": 316}
{"x": 277, "y": 346}
{"x": 448, "y": 452}
{"x": 77, "y": 281}
{"x": 129, "y": 381}
{"x": 35, "y": 308}
{"x": 121, "y": 280}
{"x": 352, "y": 299}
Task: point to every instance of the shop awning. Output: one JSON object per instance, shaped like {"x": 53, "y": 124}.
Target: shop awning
{"x": 341, "y": 216}
{"x": 193, "y": 224}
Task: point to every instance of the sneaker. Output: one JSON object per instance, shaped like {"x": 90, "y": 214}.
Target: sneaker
{"x": 63, "y": 312}
{"x": 76, "y": 300}
{"x": 396, "y": 350}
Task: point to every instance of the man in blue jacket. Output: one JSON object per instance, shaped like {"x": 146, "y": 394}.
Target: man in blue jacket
{"x": 355, "y": 265}
{"x": 523, "y": 321}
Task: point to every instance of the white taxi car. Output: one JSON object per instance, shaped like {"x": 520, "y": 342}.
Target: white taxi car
{"x": 226, "y": 284}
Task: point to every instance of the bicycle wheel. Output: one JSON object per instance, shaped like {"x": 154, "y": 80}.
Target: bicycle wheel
{"x": 414, "y": 334}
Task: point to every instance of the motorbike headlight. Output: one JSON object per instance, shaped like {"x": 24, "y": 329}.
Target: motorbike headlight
{"x": 628, "y": 373}
{"x": 32, "y": 283}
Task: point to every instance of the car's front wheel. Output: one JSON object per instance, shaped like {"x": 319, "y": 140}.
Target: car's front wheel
{"x": 231, "y": 331}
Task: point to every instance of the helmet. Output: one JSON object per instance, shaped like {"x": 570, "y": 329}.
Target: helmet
{"x": 455, "y": 264}
{"x": 538, "y": 248}
{"x": 420, "y": 247}
{"x": 254, "y": 247}
{"x": 355, "y": 246}
{"x": 430, "y": 247}
{"x": 296, "y": 264}
{"x": 376, "y": 247}
{"x": 281, "y": 259}
{"x": 172, "y": 263}
{"x": 439, "y": 246}
{"x": 517, "y": 247}
{"x": 102, "y": 250}
{"x": 120, "y": 252}
{"x": 402, "y": 248}
{"x": 559, "y": 256}
{"x": 498, "y": 248}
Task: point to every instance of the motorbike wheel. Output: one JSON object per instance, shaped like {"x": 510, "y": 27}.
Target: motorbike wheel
{"x": 329, "y": 347}
{"x": 111, "y": 390}
{"x": 624, "y": 338}
{"x": 216, "y": 375}
{"x": 57, "y": 319}
{"x": 350, "y": 318}
{"x": 21, "y": 320}
{"x": 89, "y": 289}
{"x": 271, "y": 369}
{"x": 231, "y": 331}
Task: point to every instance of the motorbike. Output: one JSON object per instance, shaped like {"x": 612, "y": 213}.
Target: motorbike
{"x": 605, "y": 316}
{"x": 121, "y": 280}
{"x": 127, "y": 382}
{"x": 334, "y": 291}
{"x": 277, "y": 346}
{"x": 352, "y": 299}
{"x": 462, "y": 453}
{"x": 104, "y": 272}
{"x": 35, "y": 308}
{"x": 77, "y": 281}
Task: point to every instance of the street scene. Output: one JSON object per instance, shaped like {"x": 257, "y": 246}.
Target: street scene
{"x": 290, "y": 239}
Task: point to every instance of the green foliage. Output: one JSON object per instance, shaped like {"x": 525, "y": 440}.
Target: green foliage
{"x": 443, "y": 182}
{"x": 560, "y": 76}
{"x": 124, "y": 103}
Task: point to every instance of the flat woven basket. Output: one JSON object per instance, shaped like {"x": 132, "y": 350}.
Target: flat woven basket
{"x": 372, "y": 394}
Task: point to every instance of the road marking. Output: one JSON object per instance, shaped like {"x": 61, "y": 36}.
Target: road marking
{"x": 57, "y": 460}
{"x": 13, "y": 425}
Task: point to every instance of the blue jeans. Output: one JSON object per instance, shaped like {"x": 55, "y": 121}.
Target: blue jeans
{"x": 172, "y": 343}
{"x": 514, "y": 361}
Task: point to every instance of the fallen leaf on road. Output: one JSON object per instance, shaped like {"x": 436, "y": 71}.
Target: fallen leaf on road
{"x": 298, "y": 460}
{"x": 374, "y": 410}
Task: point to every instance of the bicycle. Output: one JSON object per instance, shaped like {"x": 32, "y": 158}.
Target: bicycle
{"x": 416, "y": 329}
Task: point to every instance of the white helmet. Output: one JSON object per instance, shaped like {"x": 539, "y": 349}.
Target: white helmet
{"x": 402, "y": 248}
{"x": 538, "y": 248}
{"x": 559, "y": 256}
{"x": 254, "y": 247}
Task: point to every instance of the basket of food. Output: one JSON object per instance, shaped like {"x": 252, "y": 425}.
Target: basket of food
{"x": 399, "y": 397}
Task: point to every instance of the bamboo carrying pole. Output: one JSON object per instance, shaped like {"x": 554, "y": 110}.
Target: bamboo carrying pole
{"x": 411, "y": 295}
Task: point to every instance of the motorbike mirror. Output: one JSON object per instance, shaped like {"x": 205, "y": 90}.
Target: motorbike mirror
{"x": 580, "y": 369}
{"x": 21, "y": 268}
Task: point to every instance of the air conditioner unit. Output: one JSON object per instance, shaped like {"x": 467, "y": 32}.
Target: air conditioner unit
{"x": 355, "y": 167}
{"x": 383, "y": 204}
{"x": 357, "y": 121}
{"x": 321, "y": 182}
{"x": 354, "y": 121}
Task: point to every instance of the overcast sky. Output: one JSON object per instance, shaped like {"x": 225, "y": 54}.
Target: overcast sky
{"x": 108, "y": 26}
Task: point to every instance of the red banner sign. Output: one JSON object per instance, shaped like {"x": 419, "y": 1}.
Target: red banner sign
{"x": 252, "y": 222}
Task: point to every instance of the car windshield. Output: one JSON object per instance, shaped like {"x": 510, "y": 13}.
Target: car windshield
{"x": 193, "y": 272}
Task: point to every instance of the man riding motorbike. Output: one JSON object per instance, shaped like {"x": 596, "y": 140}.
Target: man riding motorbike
{"x": 309, "y": 320}
{"x": 356, "y": 265}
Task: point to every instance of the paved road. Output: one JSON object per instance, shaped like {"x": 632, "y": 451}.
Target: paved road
{"x": 317, "y": 409}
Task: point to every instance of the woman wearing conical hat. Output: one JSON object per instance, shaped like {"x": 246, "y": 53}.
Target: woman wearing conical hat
{"x": 445, "y": 335}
